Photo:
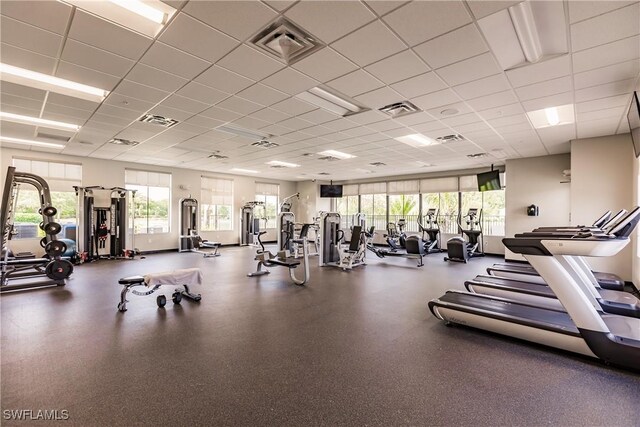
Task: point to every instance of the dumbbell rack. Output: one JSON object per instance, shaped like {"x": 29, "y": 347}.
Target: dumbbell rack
{"x": 49, "y": 271}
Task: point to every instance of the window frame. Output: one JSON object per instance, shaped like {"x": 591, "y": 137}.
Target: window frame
{"x": 132, "y": 206}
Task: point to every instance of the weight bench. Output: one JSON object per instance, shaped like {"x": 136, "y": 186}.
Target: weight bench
{"x": 198, "y": 244}
{"x": 184, "y": 278}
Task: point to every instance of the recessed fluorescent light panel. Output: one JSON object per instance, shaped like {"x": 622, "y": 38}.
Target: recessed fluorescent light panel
{"x": 128, "y": 13}
{"x": 278, "y": 163}
{"x": 337, "y": 104}
{"x": 337, "y": 154}
{"x": 240, "y": 170}
{"x": 526, "y": 32}
{"x": 552, "y": 116}
{"x": 26, "y": 120}
{"x": 30, "y": 142}
{"x": 246, "y": 133}
{"x": 416, "y": 140}
{"x": 21, "y": 76}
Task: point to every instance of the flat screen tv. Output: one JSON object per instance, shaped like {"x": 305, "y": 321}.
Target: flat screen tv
{"x": 633, "y": 116}
{"x": 330, "y": 190}
{"x": 489, "y": 181}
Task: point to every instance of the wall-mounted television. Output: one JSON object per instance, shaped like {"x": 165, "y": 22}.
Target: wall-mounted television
{"x": 489, "y": 181}
{"x": 633, "y": 116}
{"x": 330, "y": 190}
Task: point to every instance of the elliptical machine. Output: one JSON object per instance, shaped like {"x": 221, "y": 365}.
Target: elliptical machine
{"x": 432, "y": 230}
{"x": 396, "y": 237}
{"x": 461, "y": 250}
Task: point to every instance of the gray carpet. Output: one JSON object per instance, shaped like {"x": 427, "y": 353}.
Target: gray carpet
{"x": 350, "y": 348}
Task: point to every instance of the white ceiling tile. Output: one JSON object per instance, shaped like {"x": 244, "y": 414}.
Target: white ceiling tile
{"x": 546, "y": 88}
{"x": 367, "y": 117}
{"x": 239, "y": 19}
{"x": 379, "y": 98}
{"x": 540, "y": 71}
{"x": 204, "y": 122}
{"x": 324, "y": 65}
{"x": 419, "y": 85}
{"x": 185, "y": 104}
{"x": 166, "y": 111}
{"x": 502, "y": 111}
{"x": 369, "y": 44}
{"x": 470, "y": 69}
{"x": 340, "y": 124}
{"x": 262, "y": 94}
{"x": 436, "y": 99}
{"x": 606, "y": 28}
{"x": 398, "y": 67}
{"x": 318, "y": 116}
{"x": 28, "y": 37}
{"x": 611, "y": 53}
{"x": 68, "y": 101}
{"x": 202, "y": 93}
{"x": 481, "y": 9}
{"x": 608, "y": 113}
{"x": 174, "y": 61}
{"x": 86, "y": 76}
{"x": 270, "y": 115}
{"x": 23, "y": 104}
{"x": 481, "y": 87}
{"x": 109, "y": 122}
{"x": 495, "y": 100}
{"x": 384, "y": 125}
{"x": 612, "y": 73}
{"x": 7, "y": 88}
{"x": 108, "y": 36}
{"x": 461, "y": 119}
{"x": 280, "y": 4}
{"x": 26, "y": 59}
{"x": 50, "y": 15}
{"x": 250, "y": 63}
{"x": 295, "y": 123}
{"x": 382, "y": 7}
{"x": 220, "y": 114}
{"x": 581, "y": 10}
{"x": 223, "y": 80}
{"x": 557, "y": 134}
{"x": 356, "y": 83}
{"x": 96, "y": 59}
{"x": 239, "y": 105}
{"x": 603, "y": 103}
{"x": 548, "y": 101}
{"x": 422, "y": 20}
{"x": 248, "y": 122}
{"x": 605, "y": 90}
{"x": 128, "y": 102}
{"x": 415, "y": 119}
{"x": 196, "y": 38}
{"x": 290, "y": 81}
{"x": 119, "y": 112}
{"x": 139, "y": 135}
{"x": 155, "y": 78}
{"x": 508, "y": 120}
{"x": 139, "y": 91}
{"x": 330, "y": 20}
{"x": 461, "y": 107}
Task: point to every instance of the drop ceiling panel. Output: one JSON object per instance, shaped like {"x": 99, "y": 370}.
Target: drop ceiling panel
{"x": 603, "y": 103}
{"x": 318, "y": 116}
{"x": 470, "y": 69}
{"x": 612, "y": 73}
{"x": 455, "y": 46}
{"x": 608, "y": 113}
{"x": 270, "y": 115}
{"x": 420, "y": 21}
{"x": 290, "y": 81}
{"x": 435, "y": 99}
{"x": 224, "y": 80}
{"x": 540, "y": 71}
{"x": 218, "y": 113}
{"x": 355, "y": 83}
{"x": 398, "y": 67}
{"x": 491, "y": 101}
{"x": 330, "y": 20}
{"x": 280, "y": 5}
{"x": 128, "y": 102}
{"x": 86, "y": 76}
{"x": 485, "y": 86}
{"x": 481, "y": 9}
{"x": 549, "y": 87}
{"x": 26, "y": 59}
{"x": 293, "y": 107}
{"x": 581, "y": 10}
{"x": 140, "y": 91}
{"x": 155, "y": 78}
{"x": 239, "y": 105}
{"x": 382, "y": 7}
{"x": 239, "y": 19}
{"x": 28, "y": 37}
{"x": 419, "y": 85}
{"x": 606, "y": 28}
{"x": 548, "y": 101}
{"x": 605, "y": 90}
{"x": 185, "y": 104}
{"x": 250, "y": 63}
{"x": 378, "y": 98}
{"x": 174, "y": 61}
{"x": 502, "y": 111}
{"x": 262, "y": 94}
{"x": 202, "y": 93}
{"x": 194, "y": 37}
{"x": 369, "y": 44}
{"x": 96, "y": 59}
{"x": 608, "y": 54}
{"x": 108, "y": 36}
{"x": 166, "y": 111}
{"x": 50, "y": 15}
{"x": 324, "y": 65}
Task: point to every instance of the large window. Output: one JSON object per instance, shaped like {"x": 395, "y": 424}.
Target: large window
{"x": 152, "y": 207}
{"x": 268, "y": 212}
{"x": 61, "y": 178}
{"x": 447, "y": 205}
{"x": 347, "y": 205}
{"x": 216, "y": 206}
{"x": 492, "y": 204}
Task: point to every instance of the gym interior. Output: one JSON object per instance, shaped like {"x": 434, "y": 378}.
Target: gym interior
{"x": 287, "y": 212}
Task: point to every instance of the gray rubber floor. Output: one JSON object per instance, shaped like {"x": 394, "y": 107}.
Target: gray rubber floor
{"x": 350, "y": 348}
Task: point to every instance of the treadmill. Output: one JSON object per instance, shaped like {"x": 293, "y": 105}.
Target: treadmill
{"x": 582, "y": 327}
{"x": 523, "y": 271}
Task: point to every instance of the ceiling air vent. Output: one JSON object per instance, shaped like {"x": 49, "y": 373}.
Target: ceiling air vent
{"x": 400, "y": 109}
{"x": 158, "y": 120}
{"x": 328, "y": 158}
{"x": 53, "y": 137}
{"x": 263, "y": 143}
{"x": 277, "y": 166}
{"x": 378, "y": 164}
{"x": 285, "y": 41}
{"x": 216, "y": 155}
{"x": 477, "y": 155}
{"x": 120, "y": 141}
{"x": 450, "y": 138}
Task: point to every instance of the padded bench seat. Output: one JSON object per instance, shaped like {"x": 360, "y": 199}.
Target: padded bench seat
{"x": 131, "y": 280}
{"x": 285, "y": 263}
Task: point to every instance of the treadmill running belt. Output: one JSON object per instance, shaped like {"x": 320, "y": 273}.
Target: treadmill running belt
{"x": 510, "y": 311}
{"x": 532, "y": 288}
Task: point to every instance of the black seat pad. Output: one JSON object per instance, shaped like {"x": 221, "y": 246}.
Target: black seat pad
{"x": 131, "y": 280}
{"x": 286, "y": 262}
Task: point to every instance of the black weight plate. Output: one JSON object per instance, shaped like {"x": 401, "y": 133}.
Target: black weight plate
{"x": 59, "y": 269}
{"x": 52, "y": 228}
{"x": 55, "y": 248}
{"x": 43, "y": 242}
{"x": 49, "y": 211}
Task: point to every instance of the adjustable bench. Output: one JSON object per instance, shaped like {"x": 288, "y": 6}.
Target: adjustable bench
{"x": 198, "y": 244}
{"x": 152, "y": 282}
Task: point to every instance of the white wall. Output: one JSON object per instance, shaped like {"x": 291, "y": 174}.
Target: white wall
{"x": 536, "y": 180}
{"x": 601, "y": 179}
{"x": 109, "y": 173}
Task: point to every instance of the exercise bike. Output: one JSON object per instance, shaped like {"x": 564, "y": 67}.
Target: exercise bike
{"x": 396, "y": 237}
{"x": 432, "y": 231}
{"x": 461, "y": 250}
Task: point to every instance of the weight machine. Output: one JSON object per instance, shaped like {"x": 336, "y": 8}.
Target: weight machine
{"x": 331, "y": 252}
{"x": 431, "y": 229}
{"x": 50, "y": 270}
{"x": 102, "y": 217}
{"x": 189, "y": 240}
{"x": 249, "y": 224}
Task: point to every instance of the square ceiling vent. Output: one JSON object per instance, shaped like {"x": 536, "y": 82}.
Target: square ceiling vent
{"x": 399, "y": 109}
{"x": 285, "y": 41}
